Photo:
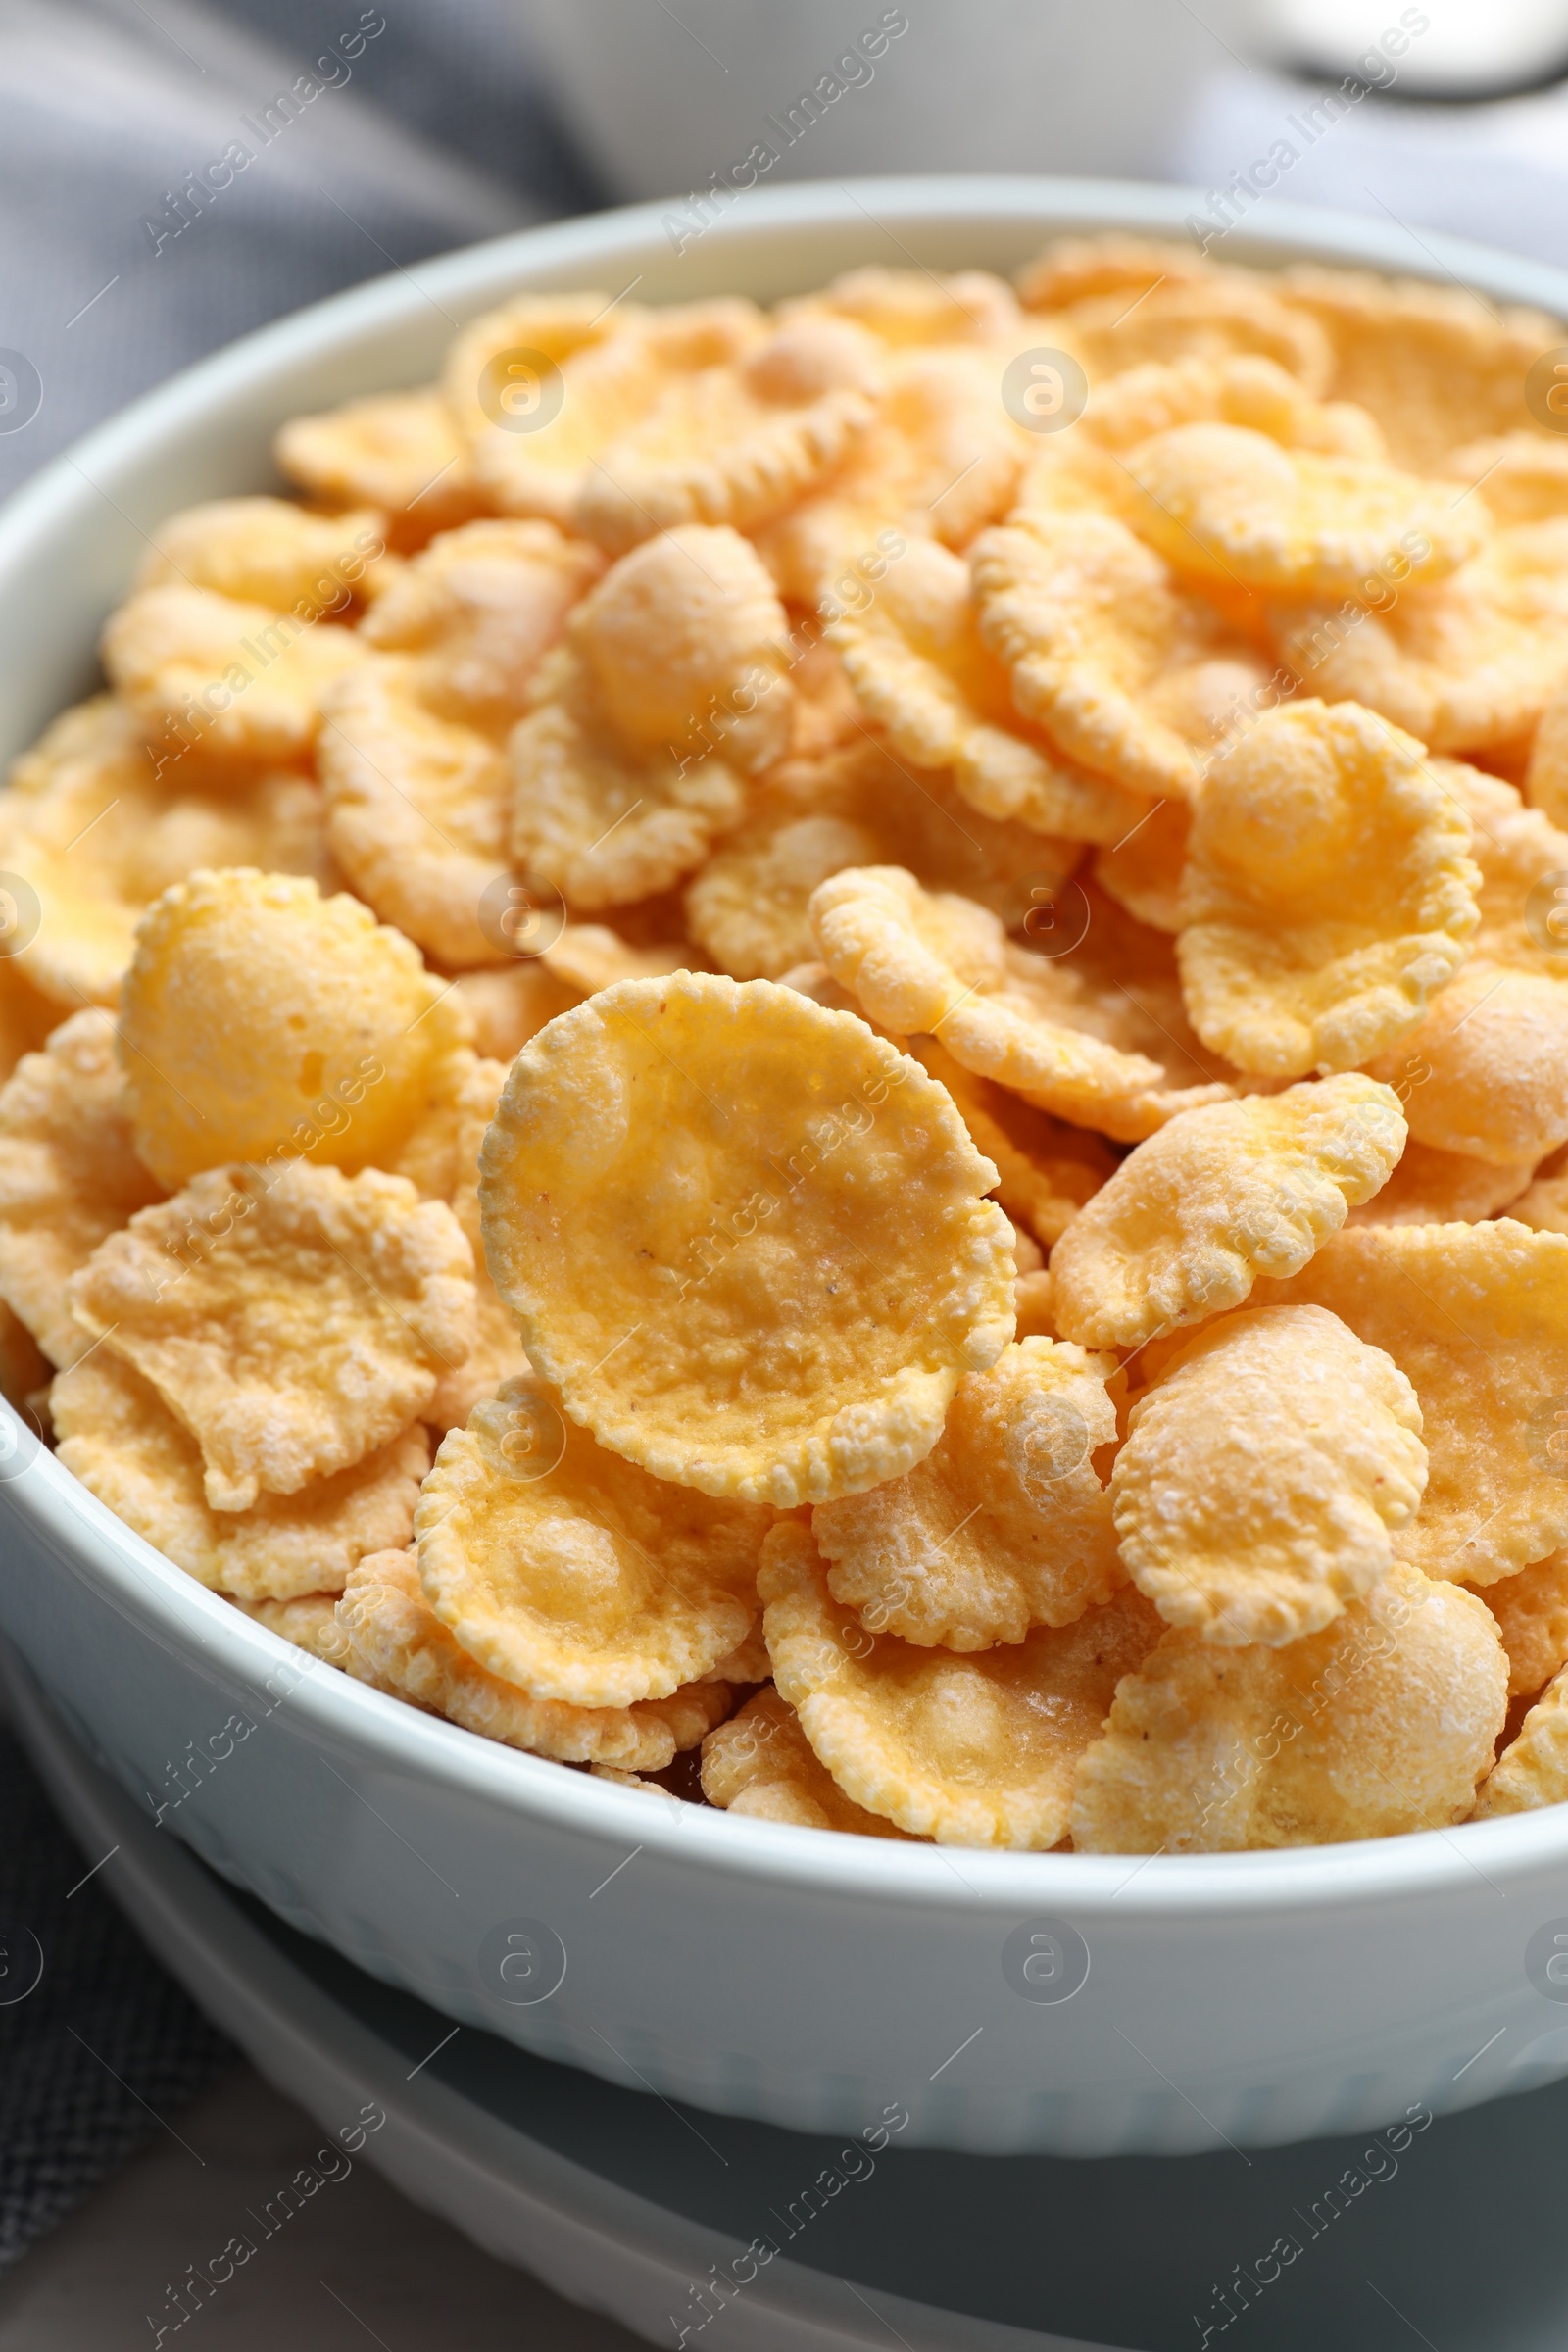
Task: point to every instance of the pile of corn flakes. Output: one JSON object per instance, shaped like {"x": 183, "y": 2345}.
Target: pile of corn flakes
{"x": 827, "y": 1051}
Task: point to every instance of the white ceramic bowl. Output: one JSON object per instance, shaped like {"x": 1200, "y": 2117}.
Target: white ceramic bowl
{"x": 808, "y": 1980}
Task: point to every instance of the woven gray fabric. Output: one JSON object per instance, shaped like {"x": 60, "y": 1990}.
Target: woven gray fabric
{"x": 428, "y": 134}
{"x": 102, "y": 2047}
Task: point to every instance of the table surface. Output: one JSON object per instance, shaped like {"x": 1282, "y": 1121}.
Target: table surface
{"x": 360, "y": 2266}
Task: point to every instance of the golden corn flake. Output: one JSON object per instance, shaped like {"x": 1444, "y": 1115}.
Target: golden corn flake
{"x": 1262, "y": 1474}
{"x": 249, "y": 679}
{"x": 1533, "y": 1770}
{"x": 1004, "y": 1526}
{"x": 1429, "y": 1186}
{"x": 1328, "y": 892}
{"x": 1532, "y": 1613}
{"x": 413, "y": 746}
{"x": 913, "y": 309}
{"x": 975, "y": 1750}
{"x": 1523, "y": 862}
{"x": 441, "y": 1161}
{"x": 671, "y": 685}
{"x": 1523, "y": 475}
{"x": 1223, "y": 500}
{"x": 1486, "y": 1073}
{"x": 932, "y": 963}
{"x": 572, "y": 1573}
{"x": 507, "y": 1007}
{"x": 68, "y": 1175}
{"x": 944, "y": 460}
{"x": 260, "y": 1019}
{"x": 1129, "y": 674}
{"x": 739, "y": 443}
{"x": 1476, "y": 1317}
{"x": 396, "y": 1641}
{"x": 26, "y": 1015}
{"x": 1246, "y": 390}
{"x": 310, "y": 1622}
{"x": 1143, "y": 872}
{"x": 1218, "y": 1197}
{"x": 293, "y": 1323}
{"x": 917, "y": 661}
{"x": 761, "y": 1764}
{"x": 100, "y": 826}
{"x": 1466, "y": 664}
{"x": 1072, "y": 270}
{"x": 860, "y": 806}
{"x": 398, "y": 452}
{"x": 264, "y": 551}
{"x": 1437, "y": 366}
{"x": 127, "y": 1447}
{"x": 479, "y": 608}
{"x": 1213, "y": 318}
{"x": 1546, "y": 771}
{"x": 1047, "y": 1169}
{"x": 537, "y": 434}
{"x": 1383, "y": 1722}
{"x": 744, "y": 1237}
{"x": 418, "y": 810}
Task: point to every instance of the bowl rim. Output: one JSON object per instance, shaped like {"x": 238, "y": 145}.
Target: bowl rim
{"x": 208, "y": 1634}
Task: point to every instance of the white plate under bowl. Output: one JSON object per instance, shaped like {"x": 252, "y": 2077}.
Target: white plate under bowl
{"x": 634, "y": 2206}
{"x": 753, "y": 1968}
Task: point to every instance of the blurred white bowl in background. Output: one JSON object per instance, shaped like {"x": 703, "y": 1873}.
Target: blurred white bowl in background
{"x": 662, "y": 99}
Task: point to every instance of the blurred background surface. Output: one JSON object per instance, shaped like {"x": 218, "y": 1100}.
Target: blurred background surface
{"x": 427, "y": 125}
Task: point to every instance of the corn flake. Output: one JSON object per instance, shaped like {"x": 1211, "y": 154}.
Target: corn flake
{"x": 1131, "y": 674}
{"x": 917, "y": 661}
{"x": 761, "y": 1764}
{"x": 1381, "y": 1723}
{"x": 265, "y": 551}
{"x": 396, "y": 1642}
{"x": 308, "y": 1621}
{"x": 260, "y": 1019}
{"x": 858, "y": 807}
{"x": 68, "y": 1175}
{"x": 247, "y": 678}
{"x": 118, "y": 1437}
{"x": 293, "y": 1325}
{"x": 579, "y": 1577}
{"x": 975, "y": 1750}
{"x": 1532, "y": 1613}
{"x": 1486, "y": 1073}
{"x": 1533, "y": 1769}
{"x": 1063, "y": 1034}
{"x": 737, "y": 443}
{"x": 1262, "y": 1475}
{"x": 1213, "y": 318}
{"x": 1225, "y": 501}
{"x": 1143, "y": 873}
{"x": 1466, "y": 664}
{"x": 398, "y": 452}
{"x": 1219, "y": 1196}
{"x": 1436, "y": 367}
{"x": 1004, "y": 1526}
{"x": 1328, "y": 892}
{"x": 759, "y": 1283}
{"x": 1476, "y": 1317}
{"x": 1045, "y": 1169}
{"x": 1429, "y": 1186}
{"x": 101, "y": 826}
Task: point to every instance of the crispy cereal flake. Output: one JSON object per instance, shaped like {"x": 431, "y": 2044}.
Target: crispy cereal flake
{"x": 1328, "y": 893}
{"x": 1262, "y": 1474}
{"x": 744, "y": 1237}
{"x": 572, "y": 1573}
{"x": 975, "y": 1750}
{"x": 761, "y": 1763}
{"x": 292, "y": 1323}
{"x": 1219, "y": 1196}
{"x": 1383, "y": 1722}
{"x": 1004, "y": 1526}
